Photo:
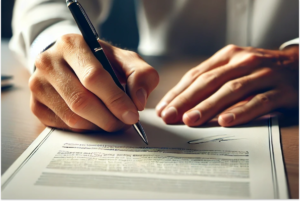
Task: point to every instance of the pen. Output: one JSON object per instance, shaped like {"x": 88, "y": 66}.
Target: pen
{"x": 91, "y": 38}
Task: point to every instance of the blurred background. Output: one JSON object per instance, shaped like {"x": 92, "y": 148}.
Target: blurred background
{"x": 124, "y": 20}
{"x": 6, "y": 15}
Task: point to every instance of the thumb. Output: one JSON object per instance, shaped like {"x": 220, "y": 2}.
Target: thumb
{"x": 141, "y": 79}
{"x": 141, "y": 83}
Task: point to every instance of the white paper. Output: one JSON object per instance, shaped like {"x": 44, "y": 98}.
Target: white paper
{"x": 179, "y": 163}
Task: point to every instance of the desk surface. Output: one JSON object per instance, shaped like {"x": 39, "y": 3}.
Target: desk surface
{"x": 20, "y": 127}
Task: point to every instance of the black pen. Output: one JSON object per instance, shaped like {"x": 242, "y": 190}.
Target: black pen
{"x": 91, "y": 38}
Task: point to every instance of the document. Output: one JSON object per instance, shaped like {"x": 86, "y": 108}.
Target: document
{"x": 180, "y": 162}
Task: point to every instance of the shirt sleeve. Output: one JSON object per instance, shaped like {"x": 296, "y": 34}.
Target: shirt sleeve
{"x": 37, "y": 23}
{"x": 290, "y": 42}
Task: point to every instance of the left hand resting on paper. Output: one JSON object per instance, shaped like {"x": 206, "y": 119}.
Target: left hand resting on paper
{"x": 264, "y": 80}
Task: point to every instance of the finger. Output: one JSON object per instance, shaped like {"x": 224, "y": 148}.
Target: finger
{"x": 229, "y": 94}
{"x": 220, "y": 58}
{"x": 76, "y": 106}
{"x": 184, "y": 83}
{"x": 97, "y": 80}
{"x": 47, "y": 116}
{"x": 274, "y": 58}
{"x": 259, "y": 105}
{"x": 243, "y": 63}
{"x": 141, "y": 77}
{"x": 246, "y": 59}
{"x": 48, "y": 96}
{"x": 200, "y": 89}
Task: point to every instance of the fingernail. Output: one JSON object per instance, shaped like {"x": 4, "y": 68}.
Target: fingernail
{"x": 130, "y": 117}
{"x": 170, "y": 115}
{"x": 227, "y": 118}
{"x": 161, "y": 105}
{"x": 141, "y": 95}
{"x": 193, "y": 116}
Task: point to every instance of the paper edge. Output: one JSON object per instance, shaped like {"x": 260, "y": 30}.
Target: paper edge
{"x": 276, "y": 142}
{"x": 10, "y": 171}
{"x": 279, "y": 164}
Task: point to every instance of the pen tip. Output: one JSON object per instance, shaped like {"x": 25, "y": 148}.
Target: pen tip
{"x": 139, "y": 129}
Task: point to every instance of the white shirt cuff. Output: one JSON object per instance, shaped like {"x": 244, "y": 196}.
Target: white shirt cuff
{"x": 288, "y": 43}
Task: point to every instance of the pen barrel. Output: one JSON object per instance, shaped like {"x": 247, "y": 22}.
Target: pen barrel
{"x": 107, "y": 66}
{"x": 90, "y": 37}
{"x": 84, "y": 25}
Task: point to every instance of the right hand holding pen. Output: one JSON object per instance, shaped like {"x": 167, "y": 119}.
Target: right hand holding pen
{"x": 71, "y": 90}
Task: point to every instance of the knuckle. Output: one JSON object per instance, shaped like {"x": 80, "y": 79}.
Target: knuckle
{"x": 183, "y": 100}
{"x": 73, "y": 44}
{"x": 43, "y": 61}
{"x": 232, "y": 48}
{"x": 78, "y": 101}
{"x": 263, "y": 99}
{"x": 118, "y": 98}
{"x": 208, "y": 104}
{"x": 235, "y": 86}
{"x": 243, "y": 110}
{"x": 173, "y": 93}
{"x": 209, "y": 77}
{"x": 35, "y": 85}
{"x": 193, "y": 74}
{"x": 69, "y": 40}
{"x": 131, "y": 54}
{"x": 152, "y": 75}
{"x": 70, "y": 119}
{"x": 91, "y": 76}
{"x": 251, "y": 58}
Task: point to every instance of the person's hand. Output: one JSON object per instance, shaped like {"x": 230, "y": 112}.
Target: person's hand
{"x": 241, "y": 83}
{"x": 71, "y": 90}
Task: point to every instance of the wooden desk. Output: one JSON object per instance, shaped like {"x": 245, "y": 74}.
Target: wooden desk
{"x": 20, "y": 127}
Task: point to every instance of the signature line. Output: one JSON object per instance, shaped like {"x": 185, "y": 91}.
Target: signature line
{"x": 216, "y": 138}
